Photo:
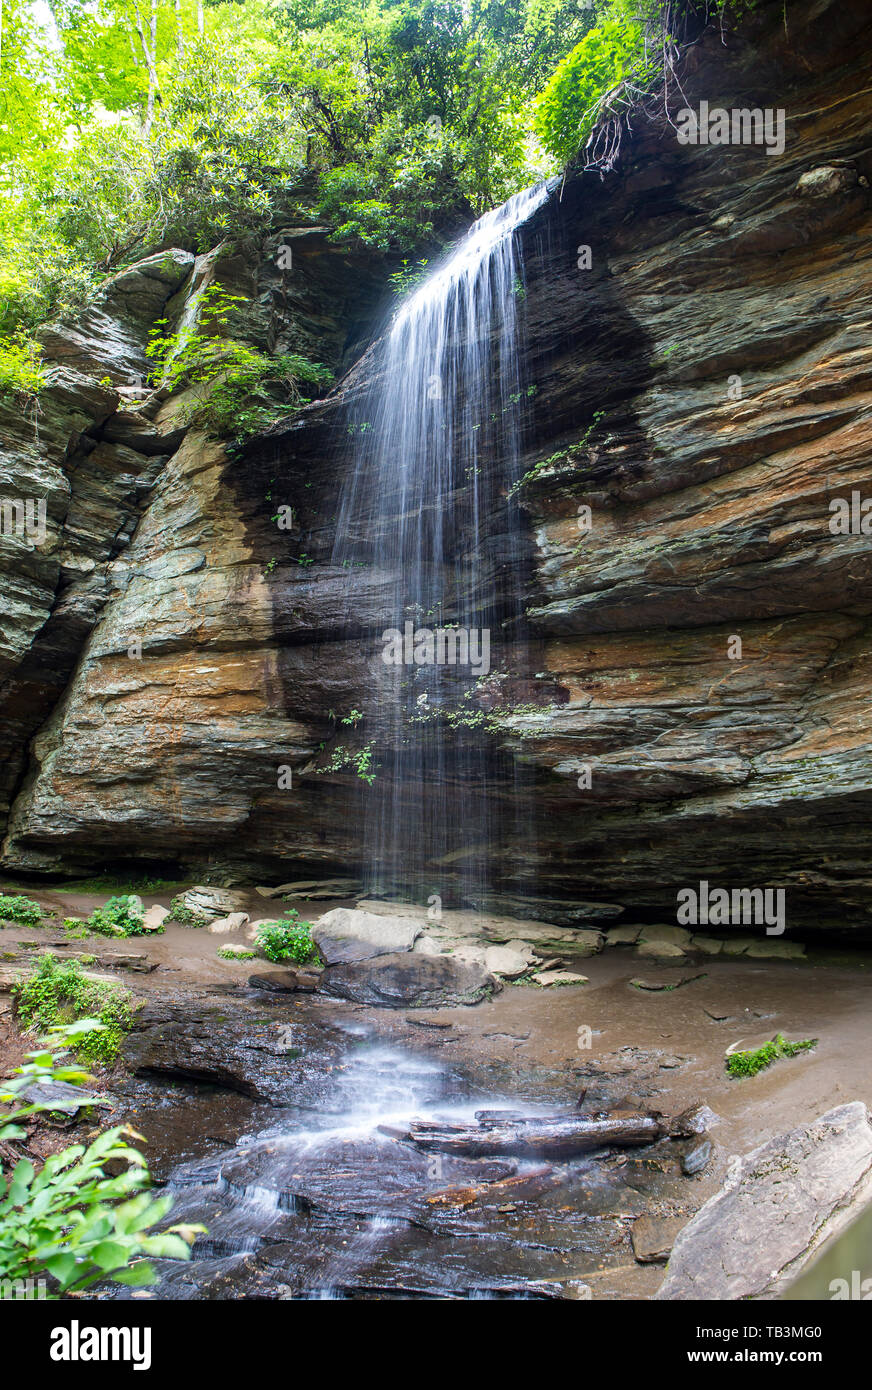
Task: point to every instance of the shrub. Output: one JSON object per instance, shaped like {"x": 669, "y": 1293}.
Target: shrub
{"x": 749, "y": 1063}
{"x": 231, "y": 381}
{"x": 121, "y": 916}
{"x": 58, "y": 992}
{"x": 21, "y": 373}
{"x": 71, "y": 1220}
{"x": 568, "y": 108}
{"x": 75, "y": 928}
{"x": 18, "y": 909}
{"x": 290, "y": 940}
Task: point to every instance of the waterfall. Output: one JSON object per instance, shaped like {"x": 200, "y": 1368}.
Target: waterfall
{"x": 433, "y": 448}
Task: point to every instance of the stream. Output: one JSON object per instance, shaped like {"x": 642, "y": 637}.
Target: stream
{"x": 332, "y": 1204}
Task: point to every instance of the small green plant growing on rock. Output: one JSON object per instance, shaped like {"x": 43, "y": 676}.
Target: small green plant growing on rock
{"x": 291, "y": 940}
{"x": 71, "y": 1221}
{"x": 757, "y": 1059}
{"x": 75, "y": 928}
{"x": 180, "y": 912}
{"x": 121, "y": 916}
{"x": 59, "y": 993}
{"x": 236, "y": 953}
{"x": 359, "y": 759}
{"x": 19, "y": 909}
{"x": 230, "y": 381}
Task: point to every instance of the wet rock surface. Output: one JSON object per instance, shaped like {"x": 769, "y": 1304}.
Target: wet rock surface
{"x": 338, "y": 1202}
{"x": 711, "y": 521}
{"x": 267, "y": 1060}
{"x": 776, "y": 1207}
{"x": 406, "y": 980}
{"x": 343, "y": 935}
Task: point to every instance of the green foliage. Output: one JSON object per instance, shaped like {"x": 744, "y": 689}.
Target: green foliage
{"x": 20, "y": 371}
{"x": 231, "y": 381}
{"x": 19, "y": 909}
{"x": 750, "y": 1063}
{"x": 76, "y": 929}
{"x": 406, "y": 279}
{"x": 291, "y": 940}
{"x": 109, "y": 883}
{"x": 120, "y": 916}
{"x": 571, "y": 456}
{"x": 392, "y": 121}
{"x": 182, "y": 914}
{"x": 360, "y": 759}
{"x": 72, "y": 1220}
{"x": 58, "y": 992}
{"x": 235, "y": 953}
{"x": 613, "y": 51}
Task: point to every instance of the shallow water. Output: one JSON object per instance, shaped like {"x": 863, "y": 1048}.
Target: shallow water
{"x": 329, "y": 1205}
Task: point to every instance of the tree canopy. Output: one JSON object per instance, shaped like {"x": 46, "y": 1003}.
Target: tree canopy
{"x": 127, "y": 125}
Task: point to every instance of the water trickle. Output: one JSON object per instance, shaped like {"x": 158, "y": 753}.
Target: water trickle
{"x": 336, "y": 1203}
{"x": 434, "y": 444}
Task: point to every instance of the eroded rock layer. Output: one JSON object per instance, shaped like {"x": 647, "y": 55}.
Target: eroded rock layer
{"x": 691, "y": 699}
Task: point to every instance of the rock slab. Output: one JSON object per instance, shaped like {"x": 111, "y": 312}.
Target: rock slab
{"x": 409, "y": 980}
{"x": 346, "y": 934}
{"x": 778, "y": 1204}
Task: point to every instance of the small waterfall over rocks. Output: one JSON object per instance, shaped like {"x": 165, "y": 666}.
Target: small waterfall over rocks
{"x": 434, "y": 446}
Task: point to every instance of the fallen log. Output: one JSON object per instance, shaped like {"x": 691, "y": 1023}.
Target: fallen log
{"x": 561, "y": 1136}
{"x": 522, "y": 1185}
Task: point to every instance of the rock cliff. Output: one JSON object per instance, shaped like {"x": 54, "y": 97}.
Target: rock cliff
{"x": 691, "y": 700}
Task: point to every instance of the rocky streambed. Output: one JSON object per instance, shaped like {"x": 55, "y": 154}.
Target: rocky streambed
{"x": 391, "y": 1149}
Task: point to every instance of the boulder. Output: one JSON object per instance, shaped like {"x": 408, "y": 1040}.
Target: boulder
{"x": 209, "y": 903}
{"x": 775, "y": 948}
{"x": 676, "y": 936}
{"x": 622, "y": 936}
{"x": 316, "y": 888}
{"x": 63, "y": 1098}
{"x": 659, "y": 950}
{"x": 409, "y": 980}
{"x": 737, "y": 945}
{"x": 697, "y": 1158}
{"x": 506, "y": 962}
{"x": 346, "y": 934}
{"x": 126, "y": 960}
{"x": 232, "y": 922}
{"x": 708, "y": 945}
{"x": 549, "y": 978}
{"x": 777, "y": 1205}
{"x": 240, "y": 1052}
{"x": 696, "y": 1119}
{"x": 300, "y": 981}
{"x": 155, "y": 917}
{"x": 426, "y": 945}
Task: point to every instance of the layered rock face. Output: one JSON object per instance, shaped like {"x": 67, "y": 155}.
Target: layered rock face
{"x": 690, "y": 700}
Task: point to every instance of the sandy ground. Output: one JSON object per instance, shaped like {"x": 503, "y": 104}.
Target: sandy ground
{"x": 529, "y": 1031}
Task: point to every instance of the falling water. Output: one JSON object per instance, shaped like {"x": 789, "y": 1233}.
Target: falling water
{"x": 435, "y": 446}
